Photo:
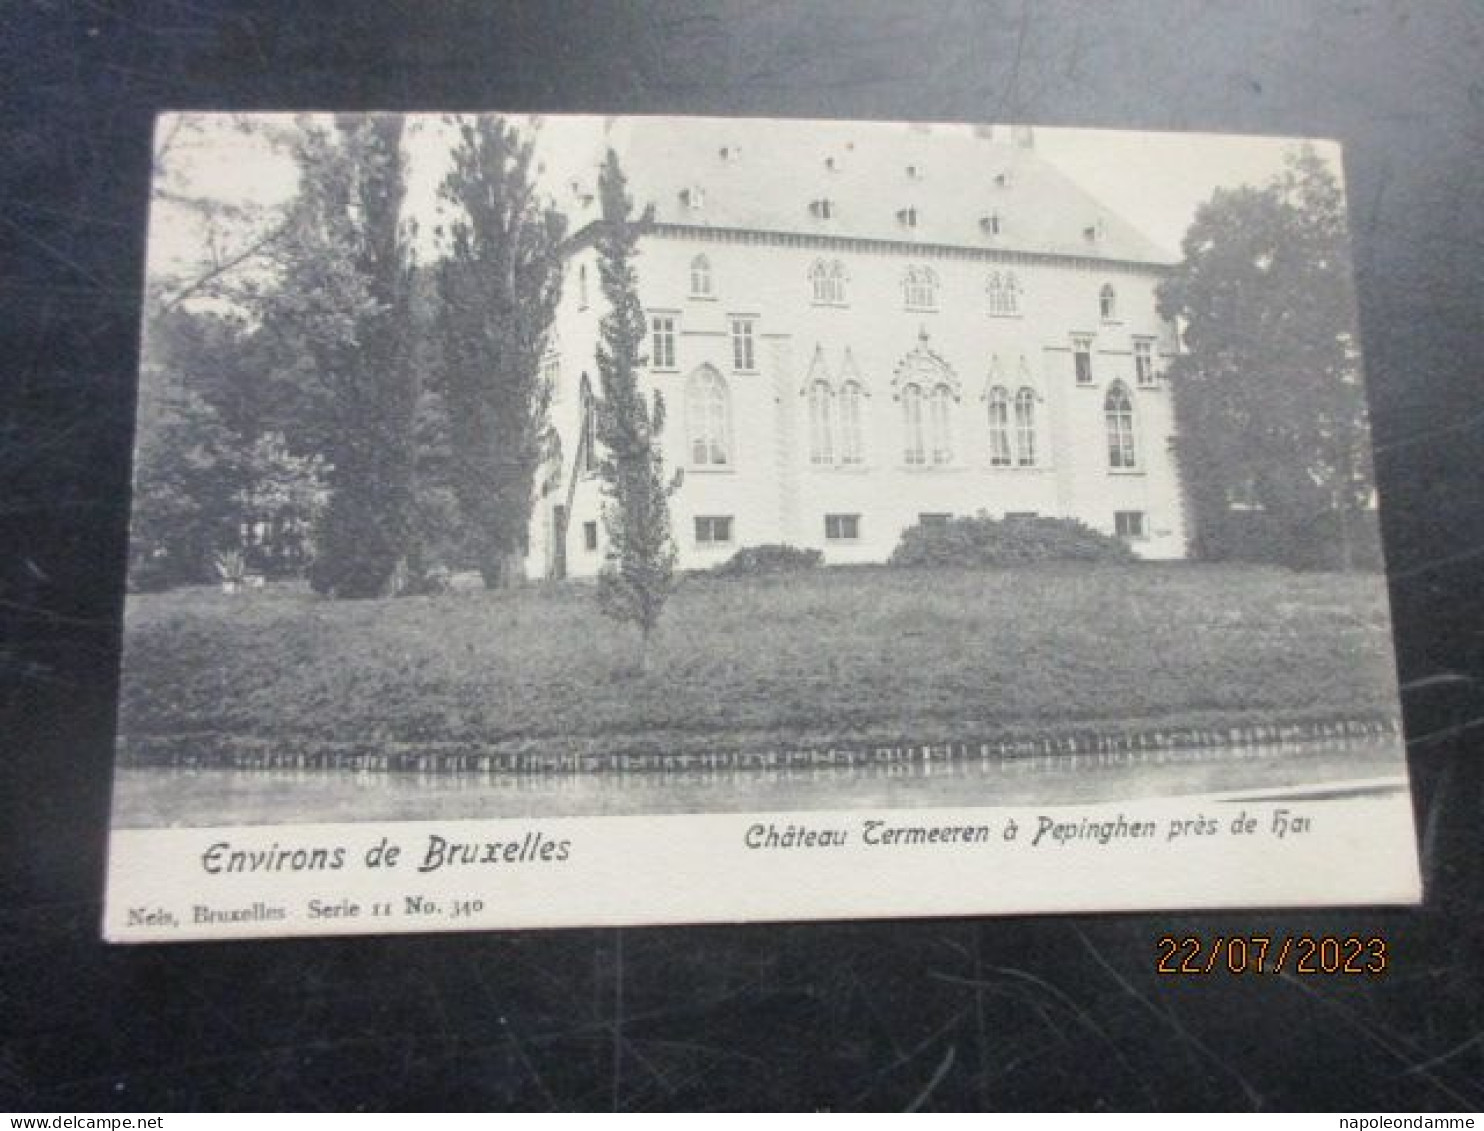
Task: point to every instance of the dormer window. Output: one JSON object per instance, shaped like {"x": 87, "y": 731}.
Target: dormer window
{"x": 908, "y": 217}
{"x": 1094, "y": 232}
{"x": 991, "y": 224}
{"x": 824, "y": 208}
{"x": 1002, "y": 180}
{"x": 693, "y": 198}
{"x": 914, "y": 172}
{"x": 729, "y": 152}
{"x": 831, "y": 164}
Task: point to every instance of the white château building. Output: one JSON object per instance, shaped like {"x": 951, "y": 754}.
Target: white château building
{"x": 857, "y": 327}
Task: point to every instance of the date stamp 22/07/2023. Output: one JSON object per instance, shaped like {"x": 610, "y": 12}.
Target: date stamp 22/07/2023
{"x": 1353, "y": 955}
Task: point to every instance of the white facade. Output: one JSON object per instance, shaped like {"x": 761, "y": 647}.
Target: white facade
{"x": 832, "y": 377}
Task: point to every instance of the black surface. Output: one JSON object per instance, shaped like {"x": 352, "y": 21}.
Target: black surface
{"x": 941, "y": 1014}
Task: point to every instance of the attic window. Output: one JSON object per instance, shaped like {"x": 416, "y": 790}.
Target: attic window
{"x": 1094, "y": 232}
{"x": 908, "y": 216}
{"x": 991, "y": 224}
{"x": 729, "y": 153}
{"x": 693, "y": 198}
{"x": 823, "y": 208}
{"x": 1002, "y": 180}
{"x": 831, "y": 164}
{"x": 914, "y": 172}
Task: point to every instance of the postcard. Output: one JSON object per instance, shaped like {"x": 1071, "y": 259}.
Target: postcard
{"x": 577, "y": 520}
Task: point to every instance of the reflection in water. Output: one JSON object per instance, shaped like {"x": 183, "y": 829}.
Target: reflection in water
{"x": 152, "y": 797}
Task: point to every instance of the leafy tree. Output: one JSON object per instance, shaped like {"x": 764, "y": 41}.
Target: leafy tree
{"x": 1268, "y": 395}
{"x": 499, "y": 284}
{"x": 212, "y": 461}
{"x": 639, "y": 575}
{"x": 341, "y": 310}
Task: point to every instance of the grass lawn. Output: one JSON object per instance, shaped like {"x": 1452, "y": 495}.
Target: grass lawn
{"x": 850, "y": 655}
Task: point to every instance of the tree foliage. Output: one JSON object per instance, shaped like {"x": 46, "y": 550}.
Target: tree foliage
{"x": 498, "y": 287}
{"x": 212, "y": 457}
{"x": 341, "y": 310}
{"x": 1269, "y": 401}
{"x": 639, "y": 575}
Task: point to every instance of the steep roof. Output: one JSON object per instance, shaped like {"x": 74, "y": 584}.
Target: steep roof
{"x": 964, "y": 186}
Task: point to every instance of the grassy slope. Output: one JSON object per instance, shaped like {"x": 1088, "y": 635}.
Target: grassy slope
{"x": 837, "y": 655}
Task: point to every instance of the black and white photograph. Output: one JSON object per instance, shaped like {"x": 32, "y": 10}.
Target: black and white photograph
{"x": 652, "y": 519}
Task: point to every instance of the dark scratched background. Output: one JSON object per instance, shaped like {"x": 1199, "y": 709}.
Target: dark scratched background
{"x": 993, "y": 1013}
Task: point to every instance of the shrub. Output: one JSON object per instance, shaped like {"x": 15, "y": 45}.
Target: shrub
{"x": 756, "y": 561}
{"x": 984, "y": 542}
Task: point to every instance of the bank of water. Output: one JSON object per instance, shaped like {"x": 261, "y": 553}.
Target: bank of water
{"x": 157, "y": 796}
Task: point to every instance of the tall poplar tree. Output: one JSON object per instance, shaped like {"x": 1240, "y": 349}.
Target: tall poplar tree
{"x": 639, "y": 575}
{"x": 498, "y": 287}
{"x": 341, "y": 310}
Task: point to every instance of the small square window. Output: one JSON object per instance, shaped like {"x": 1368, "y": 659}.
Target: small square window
{"x": 590, "y": 536}
{"x": 842, "y": 527}
{"x": 1129, "y": 524}
{"x": 713, "y": 530}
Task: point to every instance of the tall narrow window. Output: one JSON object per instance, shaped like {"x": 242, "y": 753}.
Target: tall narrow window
{"x": 1144, "y": 361}
{"x": 1082, "y": 358}
{"x": 940, "y": 418}
{"x": 1004, "y": 293}
{"x": 914, "y": 449}
{"x": 662, "y": 327}
{"x": 744, "y": 359}
{"x": 821, "y": 424}
{"x": 589, "y": 439}
{"x": 1118, "y": 416}
{"x": 582, "y": 287}
{"x": 700, "y": 277}
{"x": 1108, "y": 302}
{"x": 708, "y": 418}
{"x": 920, "y": 288}
{"x": 852, "y": 446}
{"x": 1025, "y": 428}
{"x": 999, "y": 427}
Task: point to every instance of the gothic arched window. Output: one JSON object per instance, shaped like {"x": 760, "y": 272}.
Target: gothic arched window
{"x": 920, "y": 288}
{"x": 999, "y": 427}
{"x": 852, "y": 446}
{"x": 827, "y": 280}
{"x": 940, "y": 423}
{"x": 1025, "y": 427}
{"x": 914, "y": 447}
{"x": 1118, "y": 417}
{"x": 1004, "y": 293}
{"x": 821, "y": 423}
{"x": 700, "y": 277}
{"x": 708, "y": 413}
